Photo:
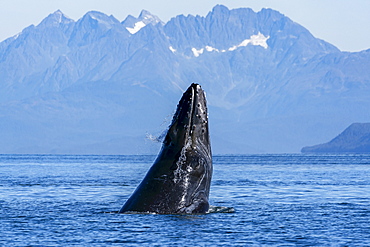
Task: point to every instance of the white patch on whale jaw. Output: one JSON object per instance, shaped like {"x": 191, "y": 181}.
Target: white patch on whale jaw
{"x": 194, "y": 198}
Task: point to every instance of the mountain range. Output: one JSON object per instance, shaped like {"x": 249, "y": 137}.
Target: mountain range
{"x": 103, "y": 86}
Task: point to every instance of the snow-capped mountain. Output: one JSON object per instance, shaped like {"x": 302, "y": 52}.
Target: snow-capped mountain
{"x": 133, "y": 25}
{"x": 98, "y": 85}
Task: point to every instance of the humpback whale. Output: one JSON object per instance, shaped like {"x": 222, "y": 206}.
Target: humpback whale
{"x": 179, "y": 180}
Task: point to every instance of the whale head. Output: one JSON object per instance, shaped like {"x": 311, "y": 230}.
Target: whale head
{"x": 179, "y": 180}
{"x": 189, "y": 127}
{"x": 188, "y": 139}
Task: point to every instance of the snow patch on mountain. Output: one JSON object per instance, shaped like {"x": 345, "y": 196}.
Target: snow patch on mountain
{"x": 257, "y": 40}
{"x": 172, "y": 49}
{"x": 134, "y": 25}
{"x": 210, "y": 49}
{"x": 137, "y": 26}
{"x": 196, "y": 52}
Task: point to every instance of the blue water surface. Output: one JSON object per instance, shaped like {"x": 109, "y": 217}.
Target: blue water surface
{"x": 279, "y": 200}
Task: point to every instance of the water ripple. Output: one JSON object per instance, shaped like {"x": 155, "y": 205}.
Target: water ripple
{"x": 279, "y": 200}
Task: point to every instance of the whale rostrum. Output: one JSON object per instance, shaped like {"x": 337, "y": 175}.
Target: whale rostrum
{"x": 179, "y": 180}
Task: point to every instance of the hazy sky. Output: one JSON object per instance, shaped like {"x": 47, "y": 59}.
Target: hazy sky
{"x": 343, "y": 23}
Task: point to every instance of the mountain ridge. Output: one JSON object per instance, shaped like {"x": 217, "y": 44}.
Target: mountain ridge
{"x": 354, "y": 139}
{"x": 271, "y": 85}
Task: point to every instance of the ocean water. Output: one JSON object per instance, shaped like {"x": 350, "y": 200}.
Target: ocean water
{"x": 279, "y": 200}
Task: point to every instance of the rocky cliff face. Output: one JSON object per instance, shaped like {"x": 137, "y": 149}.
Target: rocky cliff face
{"x": 98, "y": 85}
{"x": 354, "y": 139}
